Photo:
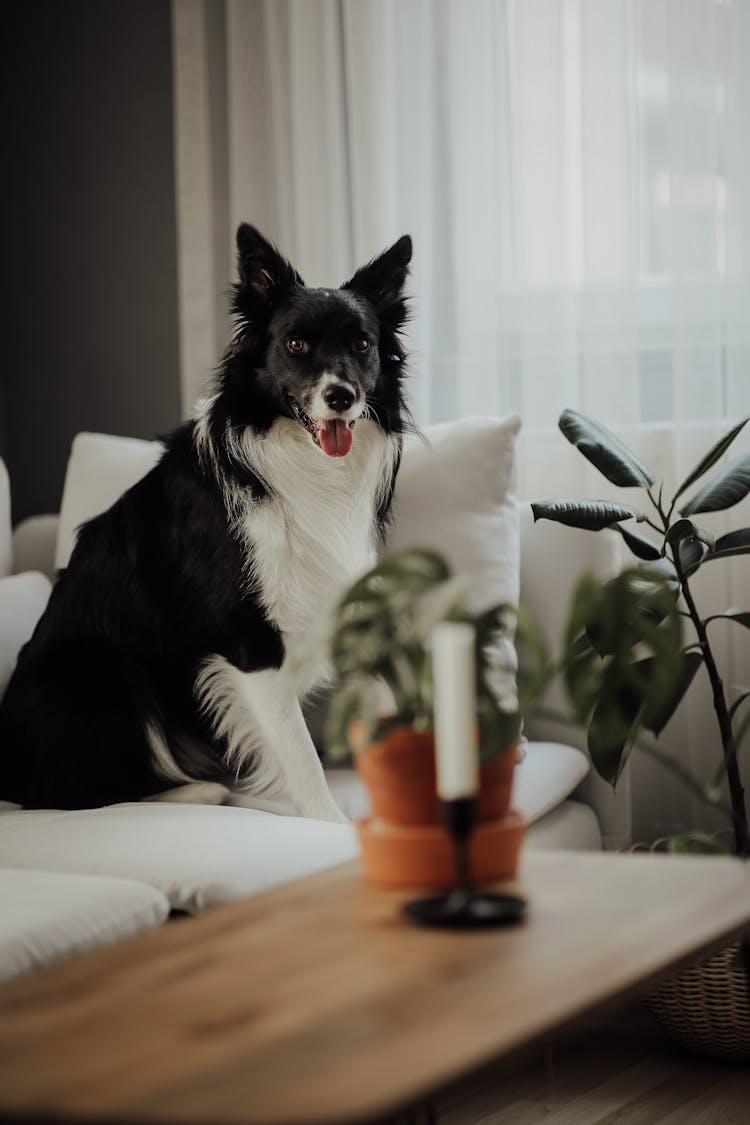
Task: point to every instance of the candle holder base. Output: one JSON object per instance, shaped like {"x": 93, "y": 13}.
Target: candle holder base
{"x": 466, "y": 909}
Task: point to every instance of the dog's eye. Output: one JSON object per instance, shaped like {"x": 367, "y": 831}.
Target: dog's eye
{"x": 297, "y": 345}
{"x": 361, "y": 344}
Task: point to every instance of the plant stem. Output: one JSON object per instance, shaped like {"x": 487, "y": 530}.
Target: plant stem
{"x": 736, "y": 791}
{"x": 664, "y": 517}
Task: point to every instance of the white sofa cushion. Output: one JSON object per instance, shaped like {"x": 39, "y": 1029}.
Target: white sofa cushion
{"x": 196, "y": 855}
{"x": 100, "y": 468}
{"x": 23, "y": 598}
{"x": 456, "y": 494}
{"x": 47, "y": 916}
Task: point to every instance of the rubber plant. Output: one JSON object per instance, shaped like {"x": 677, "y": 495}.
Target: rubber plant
{"x": 616, "y": 689}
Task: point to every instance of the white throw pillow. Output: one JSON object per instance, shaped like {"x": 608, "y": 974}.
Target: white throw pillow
{"x": 100, "y": 468}
{"x": 23, "y": 598}
{"x": 47, "y": 916}
{"x": 196, "y": 855}
{"x": 455, "y": 493}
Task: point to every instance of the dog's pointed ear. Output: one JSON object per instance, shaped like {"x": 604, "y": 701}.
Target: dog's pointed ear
{"x": 262, "y": 269}
{"x": 382, "y": 280}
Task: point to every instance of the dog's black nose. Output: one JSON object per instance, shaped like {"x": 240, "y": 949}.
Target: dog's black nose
{"x": 339, "y": 396}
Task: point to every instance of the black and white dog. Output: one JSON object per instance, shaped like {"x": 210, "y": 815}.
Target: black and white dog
{"x": 160, "y": 667}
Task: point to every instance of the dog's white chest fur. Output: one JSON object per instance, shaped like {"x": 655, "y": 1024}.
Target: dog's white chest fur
{"x": 315, "y": 533}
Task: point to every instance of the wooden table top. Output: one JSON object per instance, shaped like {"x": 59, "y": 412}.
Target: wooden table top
{"x": 315, "y": 1002}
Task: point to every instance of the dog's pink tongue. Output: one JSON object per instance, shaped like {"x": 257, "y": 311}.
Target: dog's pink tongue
{"x": 335, "y": 437}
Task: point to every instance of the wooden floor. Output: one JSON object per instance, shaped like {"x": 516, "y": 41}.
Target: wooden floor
{"x": 623, "y": 1072}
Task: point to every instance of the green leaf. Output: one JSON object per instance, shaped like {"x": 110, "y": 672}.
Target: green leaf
{"x": 591, "y": 515}
{"x": 685, "y": 529}
{"x": 738, "y": 703}
{"x": 641, "y": 548}
{"x": 605, "y": 451}
{"x": 692, "y": 554}
{"x": 503, "y": 695}
{"x": 734, "y": 543}
{"x": 711, "y": 458}
{"x": 690, "y": 541}
{"x": 379, "y": 626}
{"x": 695, "y": 843}
{"x": 353, "y": 701}
{"x": 738, "y": 615}
{"x": 581, "y": 646}
{"x": 620, "y": 613}
{"x": 405, "y": 572}
{"x": 724, "y": 490}
{"x": 537, "y": 668}
{"x": 740, "y": 734}
{"x": 656, "y": 718}
{"x": 652, "y": 593}
{"x": 661, "y": 570}
{"x": 609, "y": 738}
{"x": 609, "y": 689}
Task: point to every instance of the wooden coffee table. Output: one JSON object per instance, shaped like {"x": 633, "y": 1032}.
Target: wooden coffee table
{"x": 315, "y": 1002}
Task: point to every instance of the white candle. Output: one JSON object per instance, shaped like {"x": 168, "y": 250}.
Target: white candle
{"x": 454, "y": 702}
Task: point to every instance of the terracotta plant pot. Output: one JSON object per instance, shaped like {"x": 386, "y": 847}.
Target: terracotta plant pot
{"x": 420, "y": 857}
{"x": 399, "y": 772}
{"x": 404, "y": 843}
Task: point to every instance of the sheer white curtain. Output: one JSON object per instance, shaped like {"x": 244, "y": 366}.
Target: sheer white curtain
{"x": 576, "y": 177}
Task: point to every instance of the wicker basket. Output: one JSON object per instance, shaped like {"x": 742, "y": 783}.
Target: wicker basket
{"x": 706, "y": 1008}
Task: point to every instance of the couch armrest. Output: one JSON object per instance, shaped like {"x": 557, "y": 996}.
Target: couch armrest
{"x": 553, "y": 557}
{"x": 34, "y": 542}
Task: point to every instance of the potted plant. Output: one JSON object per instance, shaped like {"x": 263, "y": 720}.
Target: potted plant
{"x": 379, "y": 648}
{"x": 380, "y": 639}
{"x": 611, "y": 684}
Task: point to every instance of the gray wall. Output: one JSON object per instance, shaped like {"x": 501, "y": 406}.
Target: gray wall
{"x": 89, "y": 272}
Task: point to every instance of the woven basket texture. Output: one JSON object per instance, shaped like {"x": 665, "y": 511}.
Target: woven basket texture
{"x": 706, "y": 1008}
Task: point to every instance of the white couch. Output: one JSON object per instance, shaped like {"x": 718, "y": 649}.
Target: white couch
{"x": 71, "y": 880}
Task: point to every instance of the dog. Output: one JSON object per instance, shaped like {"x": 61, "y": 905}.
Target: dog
{"x": 160, "y": 668}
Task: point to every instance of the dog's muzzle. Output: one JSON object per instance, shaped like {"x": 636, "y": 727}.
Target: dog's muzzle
{"x": 333, "y": 435}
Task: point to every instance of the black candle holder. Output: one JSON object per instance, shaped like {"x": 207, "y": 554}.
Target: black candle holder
{"x": 463, "y": 907}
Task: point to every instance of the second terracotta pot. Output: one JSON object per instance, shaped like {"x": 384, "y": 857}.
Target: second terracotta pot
{"x": 422, "y": 856}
